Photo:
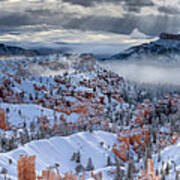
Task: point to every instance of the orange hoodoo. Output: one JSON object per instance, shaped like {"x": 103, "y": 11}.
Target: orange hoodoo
{"x": 121, "y": 151}
{"x": 149, "y": 174}
{"x": 2, "y": 119}
{"x": 136, "y": 138}
{"x": 50, "y": 175}
{"x": 26, "y": 171}
{"x": 26, "y": 168}
{"x": 97, "y": 176}
{"x": 174, "y": 138}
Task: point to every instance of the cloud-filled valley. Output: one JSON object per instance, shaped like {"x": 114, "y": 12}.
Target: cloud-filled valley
{"x": 147, "y": 71}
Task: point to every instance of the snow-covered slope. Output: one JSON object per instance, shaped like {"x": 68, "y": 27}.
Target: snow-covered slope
{"x": 87, "y": 97}
{"x": 20, "y": 113}
{"x": 60, "y": 149}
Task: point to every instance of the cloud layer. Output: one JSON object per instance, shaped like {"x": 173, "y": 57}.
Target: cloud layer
{"x": 108, "y": 16}
{"x": 147, "y": 71}
{"x": 119, "y": 16}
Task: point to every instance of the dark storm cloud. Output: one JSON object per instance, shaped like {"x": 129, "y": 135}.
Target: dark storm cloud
{"x": 127, "y": 2}
{"x": 117, "y": 25}
{"x": 41, "y": 12}
{"x": 15, "y": 19}
{"x": 136, "y": 5}
{"x": 33, "y": 17}
{"x": 169, "y": 10}
{"x": 128, "y": 5}
{"x": 151, "y": 25}
{"x": 65, "y": 14}
{"x": 80, "y": 2}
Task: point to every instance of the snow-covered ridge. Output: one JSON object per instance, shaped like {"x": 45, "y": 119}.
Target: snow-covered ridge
{"x": 60, "y": 149}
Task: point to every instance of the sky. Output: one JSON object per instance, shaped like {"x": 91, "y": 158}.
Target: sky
{"x": 82, "y": 21}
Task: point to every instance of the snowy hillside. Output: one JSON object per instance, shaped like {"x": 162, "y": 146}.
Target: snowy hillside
{"x": 60, "y": 149}
{"x": 20, "y": 113}
{"x": 73, "y": 113}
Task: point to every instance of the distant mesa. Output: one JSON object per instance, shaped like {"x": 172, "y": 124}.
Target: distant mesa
{"x": 167, "y": 36}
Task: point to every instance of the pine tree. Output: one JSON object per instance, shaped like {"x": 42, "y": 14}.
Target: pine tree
{"x": 12, "y": 144}
{"x": 90, "y": 165}
{"x": 177, "y": 175}
{"x": 130, "y": 170}
{"x": 30, "y": 97}
{"x": 109, "y": 163}
{"x": 4, "y": 171}
{"x": 157, "y": 172}
{"x": 159, "y": 156}
{"x": 73, "y": 156}
{"x": 19, "y": 112}
{"x": 7, "y": 110}
{"x": 101, "y": 143}
{"x": 167, "y": 168}
{"x": 78, "y": 157}
{"x": 10, "y": 161}
{"x": 91, "y": 128}
{"x": 79, "y": 168}
{"x": 26, "y": 135}
{"x": 163, "y": 177}
{"x": 118, "y": 175}
{"x": 56, "y": 166}
{"x": 32, "y": 126}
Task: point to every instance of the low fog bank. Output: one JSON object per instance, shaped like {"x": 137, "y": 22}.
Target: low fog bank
{"x": 147, "y": 71}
